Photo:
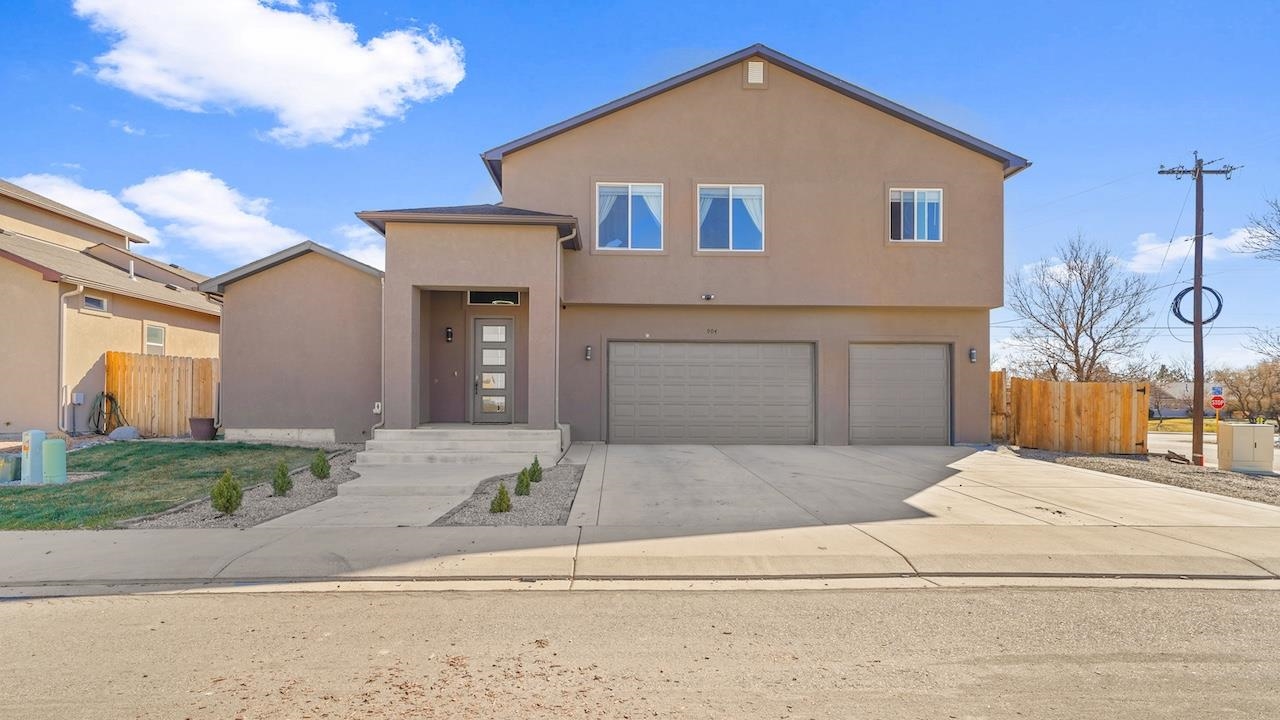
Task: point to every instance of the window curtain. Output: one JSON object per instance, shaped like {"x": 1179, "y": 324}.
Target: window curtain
{"x": 753, "y": 201}
{"x": 705, "y": 197}
{"x": 652, "y": 196}
{"x": 608, "y": 196}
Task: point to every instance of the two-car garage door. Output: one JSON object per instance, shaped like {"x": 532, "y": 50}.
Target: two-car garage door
{"x": 690, "y": 392}
{"x": 764, "y": 393}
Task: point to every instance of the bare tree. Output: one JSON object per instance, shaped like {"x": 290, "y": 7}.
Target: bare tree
{"x": 1266, "y": 343}
{"x": 1254, "y": 390}
{"x": 1083, "y": 312}
{"x": 1264, "y": 232}
{"x": 1167, "y": 378}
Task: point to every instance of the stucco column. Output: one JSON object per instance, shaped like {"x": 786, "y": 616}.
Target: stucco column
{"x": 543, "y": 380}
{"x": 401, "y": 309}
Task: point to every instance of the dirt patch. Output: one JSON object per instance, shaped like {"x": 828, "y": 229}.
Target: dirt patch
{"x": 549, "y": 502}
{"x": 259, "y": 505}
{"x": 1155, "y": 468}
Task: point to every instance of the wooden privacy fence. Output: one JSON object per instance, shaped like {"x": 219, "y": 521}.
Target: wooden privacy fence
{"x": 1083, "y": 417}
{"x": 159, "y": 394}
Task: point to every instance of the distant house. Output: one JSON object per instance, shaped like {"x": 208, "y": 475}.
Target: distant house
{"x": 753, "y": 251}
{"x": 71, "y": 289}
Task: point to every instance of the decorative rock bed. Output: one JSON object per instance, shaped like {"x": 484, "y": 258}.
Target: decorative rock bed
{"x": 549, "y": 502}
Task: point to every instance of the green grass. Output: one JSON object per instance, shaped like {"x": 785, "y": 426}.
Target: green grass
{"x": 141, "y": 478}
{"x": 1180, "y": 425}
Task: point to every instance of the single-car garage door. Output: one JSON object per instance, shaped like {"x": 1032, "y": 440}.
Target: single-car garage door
{"x": 899, "y": 394}
{"x": 690, "y": 392}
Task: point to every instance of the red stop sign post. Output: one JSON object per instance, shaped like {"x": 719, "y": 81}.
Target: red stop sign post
{"x": 1217, "y": 402}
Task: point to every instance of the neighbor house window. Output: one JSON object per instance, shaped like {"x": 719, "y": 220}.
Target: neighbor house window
{"x": 628, "y": 216}
{"x": 731, "y": 217}
{"x": 154, "y": 341}
{"x": 93, "y": 302}
{"x": 915, "y": 215}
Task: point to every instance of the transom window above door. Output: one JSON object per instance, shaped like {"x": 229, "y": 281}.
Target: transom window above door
{"x": 628, "y": 216}
{"x": 915, "y": 215}
{"x": 731, "y": 217}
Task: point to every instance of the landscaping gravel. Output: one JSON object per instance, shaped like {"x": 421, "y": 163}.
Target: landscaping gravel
{"x": 548, "y": 503}
{"x": 259, "y": 505}
{"x": 1156, "y": 468}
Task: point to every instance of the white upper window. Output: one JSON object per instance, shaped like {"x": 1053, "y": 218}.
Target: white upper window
{"x": 915, "y": 215}
{"x": 628, "y": 216}
{"x": 731, "y": 218}
{"x": 153, "y": 343}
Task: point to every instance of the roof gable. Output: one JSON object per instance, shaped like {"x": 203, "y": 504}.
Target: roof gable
{"x": 1012, "y": 163}
{"x": 219, "y": 283}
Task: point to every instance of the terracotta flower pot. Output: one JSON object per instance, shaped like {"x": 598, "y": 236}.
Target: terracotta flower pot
{"x": 203, "y": 429}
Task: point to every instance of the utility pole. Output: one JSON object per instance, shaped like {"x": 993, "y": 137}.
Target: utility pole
{"x": 1198, "y": 171}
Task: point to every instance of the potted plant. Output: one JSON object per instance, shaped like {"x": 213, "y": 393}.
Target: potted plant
{"x": 203, "y": 428}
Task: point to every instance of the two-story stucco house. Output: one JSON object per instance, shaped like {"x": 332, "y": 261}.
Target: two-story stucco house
{"x": 751, "y": 252}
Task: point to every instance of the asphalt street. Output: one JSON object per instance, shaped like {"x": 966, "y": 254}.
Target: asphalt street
{"x": 936, "y": 653}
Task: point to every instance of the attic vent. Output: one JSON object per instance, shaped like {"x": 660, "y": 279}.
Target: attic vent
{"x": 171, "y": 286}
{"x": 755, "y": 72}
{"x": 175, "y": 265}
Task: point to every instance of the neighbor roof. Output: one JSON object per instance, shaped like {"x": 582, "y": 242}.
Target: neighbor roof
{"x": 1012, "y": 163}
{"x": 60, "y": 263}
{"x": 22, "y": 194}
{"x": 474, "y": 214}
{"x": 217, "y": 284}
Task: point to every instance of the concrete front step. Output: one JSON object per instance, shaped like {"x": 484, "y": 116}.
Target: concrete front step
{"x": 372, "y": 459}
{"x": 481, "y": 433}
{"x": 542, "y": 447}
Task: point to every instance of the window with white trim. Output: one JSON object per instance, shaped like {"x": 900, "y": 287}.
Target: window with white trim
{"x": 628, "y": 216}
{"x": 94, "y": 302}
{"x": 153, "y": 341}
{"x": 915, "y": 214}
{"x": 731, "y": 218}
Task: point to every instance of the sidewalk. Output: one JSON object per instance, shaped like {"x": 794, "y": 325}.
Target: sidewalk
{"x": 177, "y": 559}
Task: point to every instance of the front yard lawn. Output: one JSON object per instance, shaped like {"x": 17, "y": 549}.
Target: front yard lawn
{"x": 1182, "y": 425}
{"x": 141, "y": 478}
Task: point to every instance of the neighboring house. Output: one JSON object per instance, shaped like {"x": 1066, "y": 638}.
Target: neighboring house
{"x": 301, "y": 347}
{"x": 71, "y": 290}
{"x": 751, "y": 252}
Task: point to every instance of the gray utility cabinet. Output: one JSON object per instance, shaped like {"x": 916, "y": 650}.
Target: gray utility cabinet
{"x": 1246, "y": 448}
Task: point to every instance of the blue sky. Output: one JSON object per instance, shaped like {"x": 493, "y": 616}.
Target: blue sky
{"x": 226, "y": 149}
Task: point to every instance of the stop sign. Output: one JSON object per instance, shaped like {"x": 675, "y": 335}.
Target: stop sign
{"x": 1217, "y": 402}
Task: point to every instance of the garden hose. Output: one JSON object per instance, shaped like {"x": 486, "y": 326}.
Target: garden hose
{"x": 105, "y": 414}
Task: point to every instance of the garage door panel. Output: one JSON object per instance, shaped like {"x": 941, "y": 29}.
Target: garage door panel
{"x": 711, "y": 392}
{"x": 899, "y": 394}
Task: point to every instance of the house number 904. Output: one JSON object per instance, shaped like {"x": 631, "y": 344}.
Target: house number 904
{"x": 712, "y": 331}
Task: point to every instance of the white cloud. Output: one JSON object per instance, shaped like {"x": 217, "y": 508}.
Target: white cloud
{"x": 362, "y": 243}
{"x": 303, "y": 65}
{"x": 1149, "y": 250}
{"x": 98, "y": 203}
{"x": 210, "y": 215}
{"x": 126, "y": 128}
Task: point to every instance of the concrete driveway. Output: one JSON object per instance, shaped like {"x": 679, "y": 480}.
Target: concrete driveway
{"x": 755, "y": 487}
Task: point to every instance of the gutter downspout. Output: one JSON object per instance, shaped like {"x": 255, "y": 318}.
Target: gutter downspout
{"x": 62, "y": 354}
{"x": 559, "y": 301}
{"x": 382, "y": 362}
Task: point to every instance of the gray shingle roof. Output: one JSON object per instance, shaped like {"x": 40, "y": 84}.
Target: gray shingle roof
{"x": 494, "y": 210}
{"x": 1012, "y": 163}
{"x": 493, "y": 214}
{"x": 217, "y": 284}
{"x": 81, "y": 268}
{"x": 18, "y": 192}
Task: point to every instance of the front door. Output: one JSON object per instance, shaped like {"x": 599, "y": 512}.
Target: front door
{"x": 493, "y": 365}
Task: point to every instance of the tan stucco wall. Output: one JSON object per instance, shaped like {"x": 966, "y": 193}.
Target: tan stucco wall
{"x": 90, "y": 334}
{"x": 446, "y": 393}
{"x": 826, "y": 163}
{"x": 583, "y": 397}
{"x": 38, "y": 223}
{"x": 28, "y": 350}
{"x": 459, "y": 257}
{"x": 300, "y": 348}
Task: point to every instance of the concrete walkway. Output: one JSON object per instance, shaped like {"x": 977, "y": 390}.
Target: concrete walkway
{"x": 888, "y": 516}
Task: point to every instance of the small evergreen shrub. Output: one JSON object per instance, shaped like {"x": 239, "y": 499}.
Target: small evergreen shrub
{"x": 502, "y": 501}
{"x": 226, "y": 494}
{"x": 535, "y": 470}
{"x": 522, "y": 482}
{"x": 320, "y": 465}
{"x": 281, "y": 482}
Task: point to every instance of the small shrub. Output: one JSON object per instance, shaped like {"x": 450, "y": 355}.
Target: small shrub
{"x": 522, "y": 482}
{"x": 535, "y": 470}
{"x": 320, "y": 465}
{"x": 502, "y": 501}
{"x": 226, "y": 494}
{"x": 281, "y": 482}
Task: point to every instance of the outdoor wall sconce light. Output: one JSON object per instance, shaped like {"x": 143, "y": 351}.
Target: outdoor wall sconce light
{"x": 973, "y": 355}
{"x": 708, "y": 296}
{"x": 448, "y": 334}
{"x": 588, "y": 353}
